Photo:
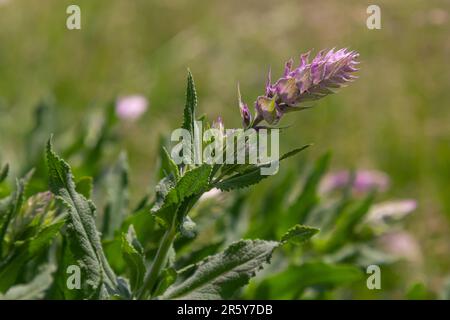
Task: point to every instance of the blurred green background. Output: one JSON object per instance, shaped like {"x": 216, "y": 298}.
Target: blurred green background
{"x": 394, "y": 118}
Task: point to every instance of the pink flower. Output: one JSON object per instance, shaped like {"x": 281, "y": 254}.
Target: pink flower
{"x": 131, "y": 107}
{"x": 391, "y": 210}
{"x": 362, "y": 181}
{"x": 402, "y": 245}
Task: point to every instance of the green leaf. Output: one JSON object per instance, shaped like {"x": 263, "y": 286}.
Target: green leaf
{"x": 252, "y": 175}
{"x": 193, "y": 183}
{"x": 82, "y": 233}
{"x": 241, "y": 180}
{"x": 418, "y": 291}
{"x": 13, "y": 207}
{"x": 59, "y": 289}
{"x": 33, "y": 290}
{"x": 219, "y": 276}
{"x": 84, "y": 186}
{"x": 195, "y": 255}
{"x": 133, "y": 254}
{"x": 167, "y": 165}
{"x": 12, "y": 265}
{"x": 45, "y": 235}
{"x": 294, "y": 152}
{"x": 291, "y": 283}
{"x": 100, "y": 134}
{"x": 298, "y": 234}
{"x": 191, "y": 104}
{"x": 345, "y": 225}
{"x": 44, "y": 122}
{"x": 117, "y": 204}
{"x": 308, "y": 198}
{"x": 167, "y": 278}
{"x": 4, "y": 172}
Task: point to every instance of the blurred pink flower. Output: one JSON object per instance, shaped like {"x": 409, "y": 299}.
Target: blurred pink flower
{"x": 131, "y": 107}
{"x": 363, "y": 181}
{"x": 391, "y": 210}
{"x": 402, "y": 244}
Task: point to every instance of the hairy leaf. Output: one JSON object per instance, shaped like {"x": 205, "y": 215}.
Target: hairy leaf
{"x": 167, "y": 165}
{"x": 83, "y": 236}
{"x": 219, "y": 276}
{"x": 193, "y": 183}
{"x": 252, "y": 175}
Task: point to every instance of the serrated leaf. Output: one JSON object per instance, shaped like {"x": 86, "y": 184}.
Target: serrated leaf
{"x": 252, "y": 175}
{"x": 117, "y": 205}
{"x": 193, "y": 183}
{"x": 241, "y": 180}
{"x": 82, "y": 233}
{"x": 167, "y": 165}
{"x": 191, "y": 104}
{"x": 133, "y": 254}
{"x": 195, "y": 255}
{"x": 298, "y": 234}
{"x": 219, "y": 276}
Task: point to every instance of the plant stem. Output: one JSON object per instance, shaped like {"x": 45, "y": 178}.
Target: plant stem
{"x": 161, "y": 256}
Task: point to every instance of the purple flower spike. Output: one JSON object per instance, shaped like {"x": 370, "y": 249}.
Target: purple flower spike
{"x": 326, "y": 73}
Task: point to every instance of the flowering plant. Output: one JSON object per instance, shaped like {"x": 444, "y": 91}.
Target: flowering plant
{"x": 173, "y": 244}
